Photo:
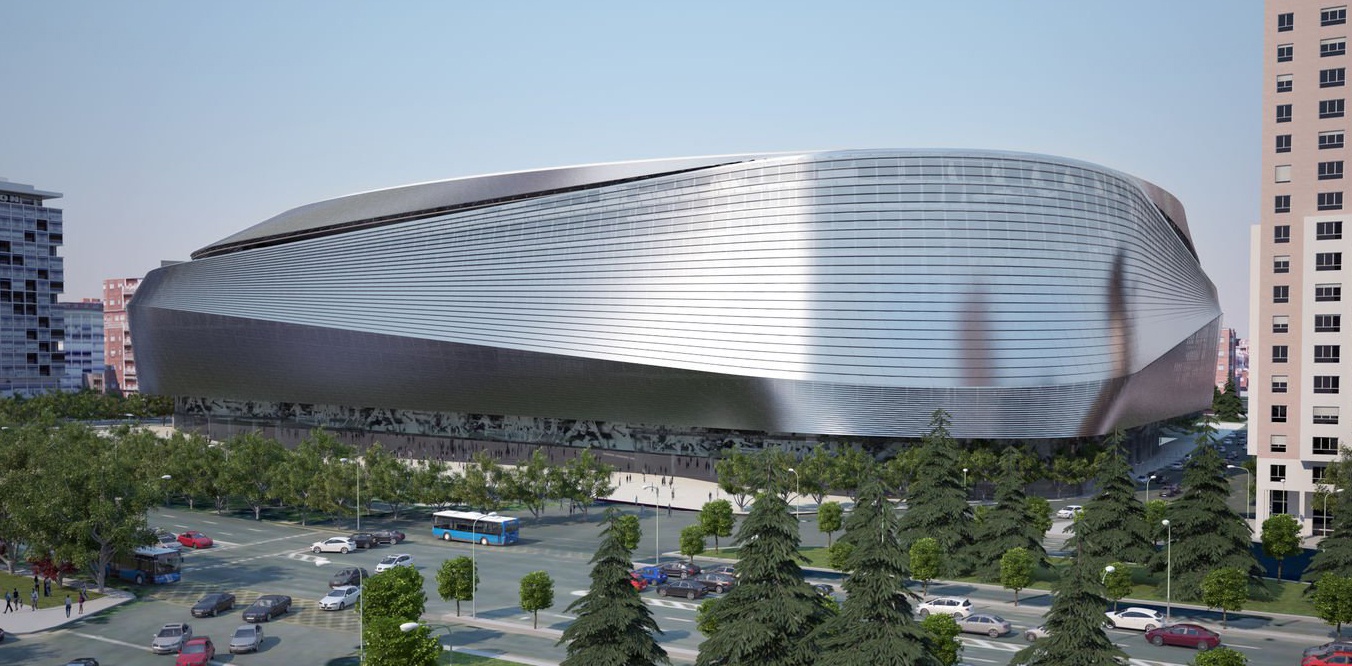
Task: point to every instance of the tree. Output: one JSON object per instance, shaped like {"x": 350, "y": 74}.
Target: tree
{"x": 1039, "y": 513}
{"x": 390, "y": 480}
{"x": 395, "y": 593}
{"x": 530, "y": 483}
{"x": 1156, "y": 511}
{"x": 735, "y": 477}
{"x": 1334, "y": 555}
{"x": 1227, "y": 404}
{"x": 1333, "y": 600}
{"x": 252, "y": 464}
{"x": 692, "y": 541}
{"x": 613, "y": 625}
{"x": 457, "y": 579}
{"x": 927, "y": 562}
{"x": 703, "y": 617}
{"x": 587, "y": 479}
{"x": 386, "y": 644}
{"x": 850, "y": 467}
{"x": 816, "y": 472}
{"x": 480, "y": 488}
{"x": 628, "y": 531}
{"x": 537, "y": 593}
{"x": 1281, "y": 538}
{"x": 829, "y": 516}
{"x": 716, "y": 519}
{"x": 838, "y": 555}
{"x": 1221, "y": 656}
{"x": 1007, "y": 525}
{"x": 1207, "y": 533}
{"x": 937, "y": 504}
{"x": 769, "y": 617}
{"x": 874, "y": 625}
{"x": 1075, "y": 624}
{"x": 1113, "y": 525}
{"x": 941, "y": 633}
{"x": 302, "y": 475}
{"x": 1225, "y": 589}
{"x": 1117, "y": 582}
{"x": 1016, "y": 570}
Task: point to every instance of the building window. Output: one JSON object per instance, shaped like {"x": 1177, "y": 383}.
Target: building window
{"x": 1281, "y": 264}
{"x": 1280, "y": 324}
{"x": 1330, "y": 108}
{"x": 1281, "y": 173}
{"x": 1281, "y": 203}
{"x": 1283, "y": 143}
{"x": 1326, "y": 384}
{"x": 1325, "y": 446}
{"x": 1277, "y": 473}
{"x": 1326, "y": 415}
{"x": 1318, "y": 473}
{"x": 1282, "y": 232}
{"x": 1326, "y": 353}
{"x": 1331, "y": 170}
{"x": 1286, "y": 22}
{"x": 1278, "y": 502}
{"x": 1335, "y": 46}
{"x": 1281, "y": 294}
{"x": 1328, "y": 261}
{"x": 1328, "y": 293}
{"x": 1279, "y": 353}
{"x": 1328, "y": 323}
{"x": 1330, "y": 139}
{"x": 1328, "y": 78}
{"x": 1279, "y": 383}
{"x": 1284, "y": 82}
{"x": 1277, "y": 443}
{"x": 1279, "y": 413}
{"x": 1330, "y": 16}
{"x": 1285, "y": 52}
{"x": 1332, "y": 230}
{"x": 1283, "y": 113}
{"x": 1330, "y": 201}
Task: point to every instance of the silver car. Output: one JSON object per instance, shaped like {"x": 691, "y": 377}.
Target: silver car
{"x": 170, "y": 638}
{"x": 247, "y": 638}
{"x": 991, "y": 625}
{"x": 340, "y": 597}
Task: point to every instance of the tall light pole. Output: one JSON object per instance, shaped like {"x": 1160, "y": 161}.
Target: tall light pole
{"x": 657, "y": 511}
{"x": 796, "y": 495}
{"x": 964, "y": 480}
{"x": 1148, "y": 479}
{"x": 168, "y": 477}
{"x": 1106, "y": 570}
{"x": 1168, "y": 570}
{"x": 354, "y": 462}
{"x": 1326, "y": 529}
{"x": 1246, "y": 487}
{"x": 361, "y": 601}
{"x": 474, "y": 564}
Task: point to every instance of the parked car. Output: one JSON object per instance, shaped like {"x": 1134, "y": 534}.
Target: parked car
{"x": 679, "y": 569}
{"x": 339, "y": 598}
{"x": 1069, "y": 511}
{"x": 392, "y": 561}
{"x": 729, "y": 569}
{"x": 1036, "y": 633}
{"x": 388, "y": 536}
{"x": 716, "y": 582}
{"x": 212, "y": 604}
{"x": 637, "y": 581}
{"x": 824, "y": 589}
{"x": 653, "y": 575}
{"x": 1171, "y": 491}
{"x": 689, "y": 589}
{"x": 83, "y": 661}
{"x": 195, "y": 539}
{"x": 170, "y": 638}
{"x": 991, "y": 625}
{"x": 348, "y": 576}
{"x": 364, "y": 539}
{"x": 1140, "y": 619}
{"x": 1327, "y": 649}
{"x": 196, "y": 652}
{"x": 247, "y": 638}
{"x": 958, "y": 607}
{"x": 267, "y": 607}
{"x": 334, "y": 545}
{"x": 1184, "y": 635}
{"x": 1333, "y": 658}
{"x": 167, "y": 540}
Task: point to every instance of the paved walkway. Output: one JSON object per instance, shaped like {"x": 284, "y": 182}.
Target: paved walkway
{"x": 43, "y": 619}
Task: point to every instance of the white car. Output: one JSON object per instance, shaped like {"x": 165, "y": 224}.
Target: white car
{"x": 958, "y": 607}
{"x": 340, "y": 597}
{"x": 168, "y": 541}
{"x": 1069, "y": 511}
{"x": 335, "y": 545}
{"x": 392, "y": 561}
{"x": 1141, "y": 619}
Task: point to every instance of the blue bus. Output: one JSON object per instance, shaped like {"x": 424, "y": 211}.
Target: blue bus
{"x": 148, "y": 564}
{"x": 488, "y": 529}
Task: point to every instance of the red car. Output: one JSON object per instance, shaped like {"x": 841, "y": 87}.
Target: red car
{"x": 637, "y": 581}
{"x": 1328, "y": 659}
{"x": 196, "y": 652}
{"x": 194, "y": 539}
{"x": 1185, "y": 635}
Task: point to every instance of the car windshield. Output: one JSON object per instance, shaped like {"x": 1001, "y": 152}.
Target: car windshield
{"x": 389, "y": 560}
{"x": 244, "y": 632}
{"x": 263, "y": 603}
{"x": 195, "y": 648}
{"x": 170, "y": 632}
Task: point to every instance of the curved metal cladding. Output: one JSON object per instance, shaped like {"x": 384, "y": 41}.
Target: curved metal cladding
{"x": 846, "y": 293}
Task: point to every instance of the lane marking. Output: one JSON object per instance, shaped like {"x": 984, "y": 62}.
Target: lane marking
{"x": 211, "y": 522}
{"x": 677, "y": 619}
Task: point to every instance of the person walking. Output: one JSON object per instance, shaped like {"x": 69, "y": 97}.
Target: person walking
{"x": 34, "y": 597}
{"x": 46, "y": 587}
{"x": 8, "y": 602}
{"x": 67, "y": 605}
{"x": 82, "y": 599}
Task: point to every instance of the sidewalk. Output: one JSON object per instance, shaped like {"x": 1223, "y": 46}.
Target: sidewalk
{"x": 30, "y": 622}
{"x": 677, "y": 653}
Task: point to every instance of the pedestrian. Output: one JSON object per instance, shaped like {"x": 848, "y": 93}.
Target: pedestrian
{"x": 34, "y": 596}
{"x": 46, "y": 587}
{"x": 67, "y": 605}
{"x": 82, "y": 599}
{"x": 8, "y": 602}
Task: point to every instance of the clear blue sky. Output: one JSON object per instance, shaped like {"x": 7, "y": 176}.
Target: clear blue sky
{"x": 169, "y": 125}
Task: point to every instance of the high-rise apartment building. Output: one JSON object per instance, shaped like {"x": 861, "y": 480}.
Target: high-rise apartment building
{"x": 117, "y": 351}
{"x": 1226, "y": 362}
{"x": 31, "y": 279}
{"x": 83, "y": 345}
{"x": 1297, "y": 309}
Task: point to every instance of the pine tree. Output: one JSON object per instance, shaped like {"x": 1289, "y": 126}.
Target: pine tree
{"x": 874, "y": 625}
{"x": 1207, "y": 533}
{"x": 769, "y": 618}
{"x": 1075, "y": 624}
{"x": 613, "y": 626}
{"x": 1008, "y": 524}
{"x": 1334, "y": 555}
{"x": 937, "y": 505}
{"x": 1113, "y": 525}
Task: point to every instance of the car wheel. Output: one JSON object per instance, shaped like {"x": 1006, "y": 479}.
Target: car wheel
{"x": 1149, "y": 627}
{"x": 924, "y": 613}
{"x": 1202, "y": 646}
{"x": 445, "y": 536}
{"x": 993, "y": 633}
{"x": 343, "y": 550}
{"x": 483, "y": 541}
{"x": 718, "y": 589}
{"x": 316, "y": 550}
{"x": 690, "y": 595}
{"x": 1030, "y": 637}
{"x": 342, "y": 606}
{"x": 213, "y": 612}
{"x": 1158, "y": 640}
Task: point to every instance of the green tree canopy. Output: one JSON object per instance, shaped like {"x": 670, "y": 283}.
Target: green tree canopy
{"x": 717, "y": 520}
{"x": 395, "y": 593}
{"x": 1333, "y": 600}
{"x": 386, "y": 644}
{"x": 941, "y": 637}
{"x": 457, "y": 579}
{"x": 1007, "y": 525}
{"x": 692, "y": 541}
{"x": 1075, "y": 624}
{"x": 829, "y": 519}
{"x": 1221, "y": 656}
{"x": 1334, "y": 555}
{"x": 628, "y": 531}
{"x": 937, "y": 505}
{"x": 537, "y": 593}
{"x": 1016, "y": 570}
{"x": 1281, "y": 538}
{"x": 1117, "y": 583}
{"x": 927, "y": 561}
{"x": 1113, "y": 525}
{"x": 1226, "y": 589}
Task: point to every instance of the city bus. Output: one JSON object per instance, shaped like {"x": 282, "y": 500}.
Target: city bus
{"x": 488, "y": 529}
{"x": 148, "y": 564}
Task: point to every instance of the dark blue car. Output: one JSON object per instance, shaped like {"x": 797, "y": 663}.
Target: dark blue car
{"x": 653, "y": 575}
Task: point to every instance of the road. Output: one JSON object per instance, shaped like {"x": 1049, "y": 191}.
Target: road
{"x": 253, "y": 558}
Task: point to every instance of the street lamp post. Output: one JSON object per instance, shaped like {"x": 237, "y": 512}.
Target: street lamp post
{"x": 964, "y": 481}
{"x": 1168, "y": 570}
{"x": 657, "y": 539}
{"x": 1148, "y": 479}
{"x": 474, "y": 564}
{"x": 166, "y": 477}
{"x": 797, "y": 495}
{"x": 361, "y": 601}
{"x": 1246, "y": 487}
{"x": 1325, "y": 531}
{"x": 354, "y": 462}
{"x": 1103, "y": 579}
{"x": 413, "y": 626}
